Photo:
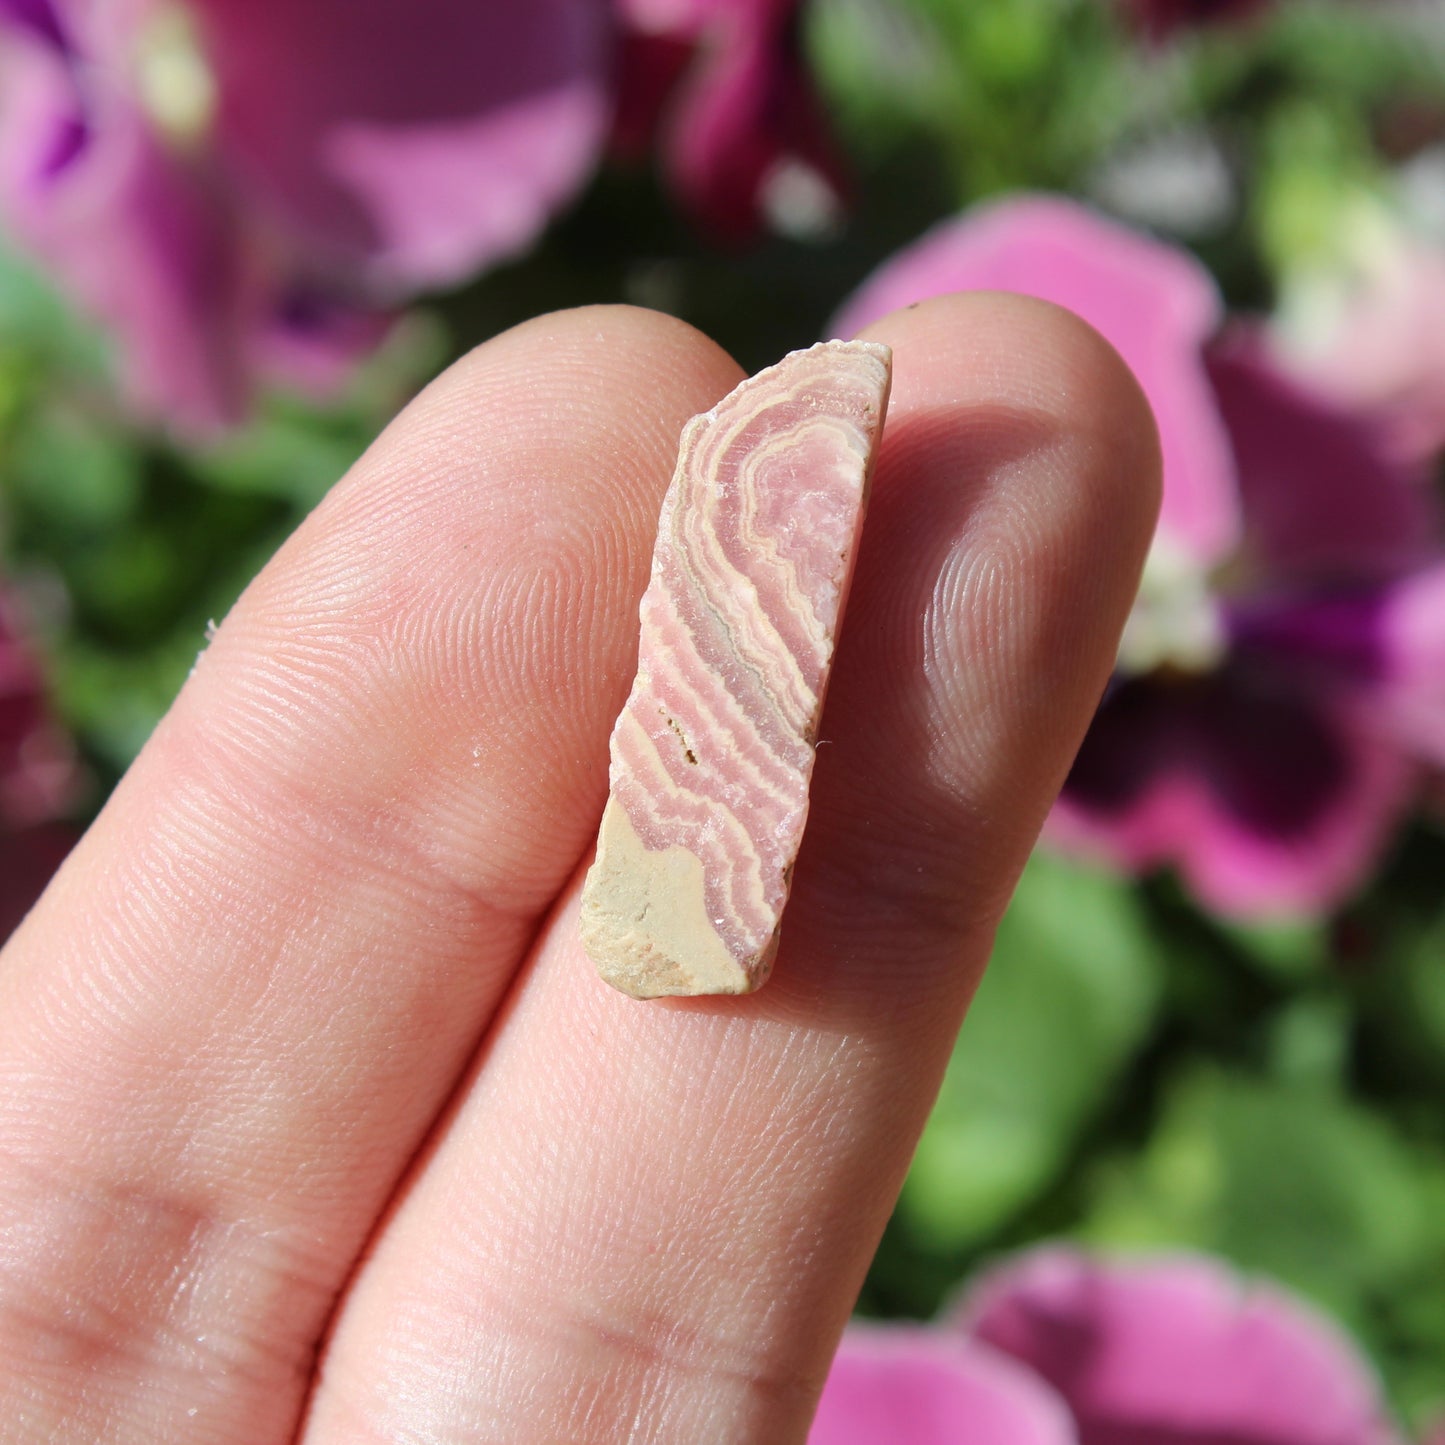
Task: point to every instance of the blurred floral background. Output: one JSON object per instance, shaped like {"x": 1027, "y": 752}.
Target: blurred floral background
{"x": 1185, "y": 1183}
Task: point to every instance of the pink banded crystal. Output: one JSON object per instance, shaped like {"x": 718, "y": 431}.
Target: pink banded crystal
{"x": 713, "y": 753}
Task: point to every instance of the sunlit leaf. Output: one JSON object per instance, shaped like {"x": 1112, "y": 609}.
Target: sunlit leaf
{"x": 1294, "y": 1181}
{"x": 1069, "y": 996}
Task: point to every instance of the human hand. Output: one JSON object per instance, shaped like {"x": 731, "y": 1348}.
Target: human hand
{"x": 315, "y": 1122}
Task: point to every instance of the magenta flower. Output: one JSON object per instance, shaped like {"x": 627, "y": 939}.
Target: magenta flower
{"x": 911, "y": 1385}
{"x": 1178, "y": 1349}
{"x": 234, "y": 186}
{"x": 744, "y": 136}
{"x": 1058, "y": 1347}
{"x": 38, "y": 777}
{"x": 1281, "y": 683}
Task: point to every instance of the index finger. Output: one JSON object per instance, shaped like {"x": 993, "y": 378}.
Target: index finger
{"x": 228, "y": 1025}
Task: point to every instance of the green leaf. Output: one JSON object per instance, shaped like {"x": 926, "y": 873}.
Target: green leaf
{"x": 295, "y": 459}
{"x": 34, "y": 319}
{"x": 1288, "y": 950}
{"x": 73, "y": 473}
{"x": 1295, "y": 1182}
{"x": 113, "y": 700}
{"x": 881, "y": 66}
{"x": 1069, "y": 997}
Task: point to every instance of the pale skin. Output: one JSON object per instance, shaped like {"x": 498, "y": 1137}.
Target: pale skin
{"x": 316, "y": 1124}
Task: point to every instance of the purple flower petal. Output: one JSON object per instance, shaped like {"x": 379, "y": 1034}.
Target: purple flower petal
{"x": 1266, "y": 800}
{"x": 43, "y": 128}
{"x": 1178, "y": 1351}
{"x": 1330, "y": 640}
{"x": 1323, "y": 499}
{"x": 649, "y": 69}
{"x": 134, "y": 234}
{"x": 37, "y": 763}
{"x": 745, "y": 116}
{"x": 749, "y": 111}
{"x": 379, "y": 145}
{"x": 1408, "y": 699}
{"x": 414, "y": 143}
{"x": 691, "y": 21}
{"x": 29, "y": 858}
{"x": 39, "y": 17}
{"x": 1155, "y": 304}
{"x": 314, "y": 341}
{"x": 917, "y": 1386}
{"x": 680, "y": 19}
{"x": 38, "y": 777}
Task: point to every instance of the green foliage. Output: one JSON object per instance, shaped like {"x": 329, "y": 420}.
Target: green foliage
{"x": 1292, "y": 1181}
{"x": 969, "y": 77}
{"x": 1069, "y": 996}
{"x": 142, "y": 541}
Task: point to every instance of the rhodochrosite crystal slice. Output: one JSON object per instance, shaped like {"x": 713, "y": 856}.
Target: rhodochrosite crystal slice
{"x": 712, "y": 756}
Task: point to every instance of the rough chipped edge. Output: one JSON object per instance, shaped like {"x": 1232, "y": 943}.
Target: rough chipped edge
{"x": 652, "y": 949}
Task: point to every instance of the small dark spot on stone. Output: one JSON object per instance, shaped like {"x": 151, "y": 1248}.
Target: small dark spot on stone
{"x": 687, "y": 752}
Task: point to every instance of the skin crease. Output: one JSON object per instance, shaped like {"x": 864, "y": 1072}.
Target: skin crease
{"x": 314, "y": 1121}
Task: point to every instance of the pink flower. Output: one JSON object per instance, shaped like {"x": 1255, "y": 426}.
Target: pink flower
{"x": 1281, "y": 683}
{"x": 745, "y": 140}
{"x": 911, "y": 1385}
{"x": 1058, "y": 1347}
{"x": 234, "y": 186}
{"x": 1179, "y": 1349}
{"x": 38, "y": 777}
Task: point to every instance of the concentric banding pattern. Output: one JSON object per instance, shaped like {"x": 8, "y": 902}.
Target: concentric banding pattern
{"x": 714, "y": 749}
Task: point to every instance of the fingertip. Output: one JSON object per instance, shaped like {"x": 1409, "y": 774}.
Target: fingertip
{"x": 1016, "y": 492}
{"x": 1021, "y": 451}
{"x": 603, "y": 370}
{"x": 1001, "y": 349}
